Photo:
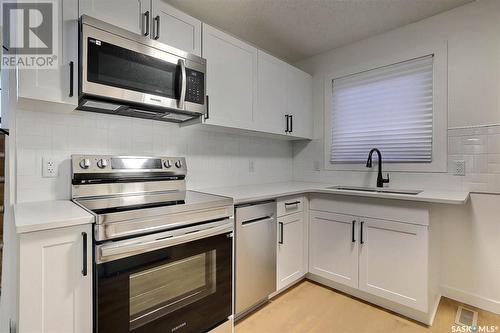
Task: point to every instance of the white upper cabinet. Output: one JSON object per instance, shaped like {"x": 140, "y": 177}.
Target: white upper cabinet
{"x": 231, "y": 79}
{"x": 127, "y": 14}
{"x": 270, "y": 114}
{"x": 55, "y": 85}
{"x": 175, "y": 28}
{"x": 55, "y": 280}
{"x": 284, "y": 98}
{"x": 299, "y": 102}
{"x": 153, "y": 18}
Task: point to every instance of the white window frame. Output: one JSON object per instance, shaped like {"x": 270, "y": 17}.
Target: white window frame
{"x": 440, "y": 110}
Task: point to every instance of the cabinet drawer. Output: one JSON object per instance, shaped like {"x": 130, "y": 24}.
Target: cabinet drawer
{"x": 289, "y": 205}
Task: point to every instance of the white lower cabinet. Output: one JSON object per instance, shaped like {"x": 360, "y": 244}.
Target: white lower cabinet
{"x": 333, "y": 254}
{"x": 393, "y": 262}
{"x": 55, "y": 280}
{"x": 290, "y": 253}
{"x": 386, "y": 258}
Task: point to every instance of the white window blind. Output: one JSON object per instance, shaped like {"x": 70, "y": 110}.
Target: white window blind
{"x": 389, "y": 108}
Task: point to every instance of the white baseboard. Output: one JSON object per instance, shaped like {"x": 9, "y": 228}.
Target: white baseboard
{"x": 423, "y": 317}
{"x": 472, "y": 299}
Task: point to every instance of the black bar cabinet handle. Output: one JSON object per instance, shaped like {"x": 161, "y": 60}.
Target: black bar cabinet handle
{"x": 361, "y": 241}
{"x": 207, "y": 115}
{"x": 292, "y": 203}
{"x": 71, "y": 67}
{"x": 84, "y": 269}
{"x": 353, "y": 227}
{"x": 157, "y": 21}
{"x": 146, "y": 21}
{"x": 291, "y": 123}
{"x": 287, "y": 124}
{"x": 281, "y": 232}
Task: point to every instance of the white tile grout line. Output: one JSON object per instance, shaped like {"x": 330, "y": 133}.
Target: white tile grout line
{"x": 473, "y": 126}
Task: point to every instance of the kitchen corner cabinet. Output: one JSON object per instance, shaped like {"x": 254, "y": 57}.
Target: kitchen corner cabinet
{"x": 291, "y": 250}
{"x": 271, "y": 112}
{"x": 55, "y": 85}
{"x": 176, "y": 28}
{"x": 299, "y": 103}
{"x": 231, "y": 79}
{"x": 55, "y": 280}
{"x": 284, "y": 98}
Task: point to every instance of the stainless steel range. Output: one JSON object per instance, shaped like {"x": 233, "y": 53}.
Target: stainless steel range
{"x": 163, "y": 255}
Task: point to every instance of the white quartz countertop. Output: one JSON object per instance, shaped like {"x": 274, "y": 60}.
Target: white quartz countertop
{"x": 43, "y": 215}
{"x": 249, "y": 193}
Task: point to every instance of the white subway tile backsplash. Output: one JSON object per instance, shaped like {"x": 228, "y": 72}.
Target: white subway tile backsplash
{"x": 213, "y": 158}
{"x": 479, "y": 147}
{"x": 494, "y": 144}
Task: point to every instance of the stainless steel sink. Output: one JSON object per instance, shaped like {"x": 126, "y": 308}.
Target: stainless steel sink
{"x": 375, "y": 190}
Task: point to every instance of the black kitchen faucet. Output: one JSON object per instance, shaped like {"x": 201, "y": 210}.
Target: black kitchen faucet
{"x": 380, "y": 179}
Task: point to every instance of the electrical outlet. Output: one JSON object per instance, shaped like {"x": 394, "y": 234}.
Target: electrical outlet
{"x": 459, "y": 168}
{"x": 316, "y": 166}
{"x": 49, "y": 167}
{"x": 251, "y": 166}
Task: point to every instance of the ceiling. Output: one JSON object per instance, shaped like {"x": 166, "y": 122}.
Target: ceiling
{"x": 297, "y": 29}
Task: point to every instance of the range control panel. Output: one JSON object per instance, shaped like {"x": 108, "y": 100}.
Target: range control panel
{"x": 195, "y": 86}
{"x": 127, "y": 164}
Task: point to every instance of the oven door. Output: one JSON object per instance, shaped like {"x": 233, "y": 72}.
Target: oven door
{"x": 174, "y": 281}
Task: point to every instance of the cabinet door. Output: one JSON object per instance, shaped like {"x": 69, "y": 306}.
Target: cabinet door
{"x": 54, "y": 293}
{"x": 332, "y": 252}
{"x": 231, "y": 79}
{"x": 272, "y": 94}
{"x": 290, "y": 252}
{"x": 54, "y": 85}
{"x": 299, "y": 102}
{"x": 126, "y": 14}
{"x": 393, "y": 262}
{"x": 176, "y": 28}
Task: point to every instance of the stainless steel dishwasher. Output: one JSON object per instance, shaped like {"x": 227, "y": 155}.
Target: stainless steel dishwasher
{"x": 255, "y": 254}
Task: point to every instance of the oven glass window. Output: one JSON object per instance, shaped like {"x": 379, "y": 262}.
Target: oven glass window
{"x": 186, "y": 288}
{"x": 112, "y": 65}
{"x": 164, "y": 289}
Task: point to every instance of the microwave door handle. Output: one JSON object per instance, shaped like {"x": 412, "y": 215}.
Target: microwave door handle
{"x": 182, "y": 96}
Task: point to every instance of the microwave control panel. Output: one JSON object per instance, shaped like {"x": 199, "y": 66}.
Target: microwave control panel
{"x": 195, "y": 86}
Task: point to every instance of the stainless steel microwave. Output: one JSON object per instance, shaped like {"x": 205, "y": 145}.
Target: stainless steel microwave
{"x": 132, "y": 75}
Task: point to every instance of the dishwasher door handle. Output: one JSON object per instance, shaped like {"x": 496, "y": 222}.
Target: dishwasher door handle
{"x": 256, "y": 220}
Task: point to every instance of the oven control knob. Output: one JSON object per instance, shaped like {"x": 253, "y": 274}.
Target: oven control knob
{"x": 102, "y": 163}
{"x": 85, "y": 163}
{"x": 178, "y": 164}
{"x": 167, "y": 163}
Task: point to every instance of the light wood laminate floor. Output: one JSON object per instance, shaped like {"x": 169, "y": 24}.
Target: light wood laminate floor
{"x": 310, "y": 307}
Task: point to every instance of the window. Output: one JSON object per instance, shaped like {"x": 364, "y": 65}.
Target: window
{"x": 389, "y": 108}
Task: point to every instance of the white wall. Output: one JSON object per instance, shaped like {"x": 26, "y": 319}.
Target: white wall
{"x": 213, "y": 159}
{"x": 470, "y": 241}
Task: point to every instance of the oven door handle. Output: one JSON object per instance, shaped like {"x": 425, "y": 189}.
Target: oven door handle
{"x": 182, "y": 96}
{"x": 116, "y": 251}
